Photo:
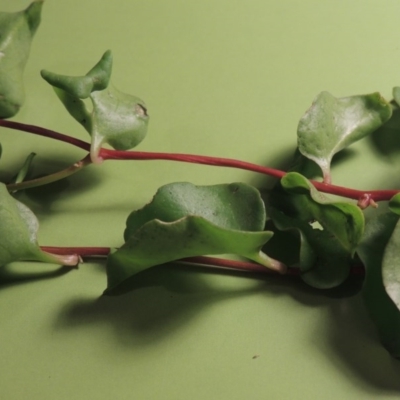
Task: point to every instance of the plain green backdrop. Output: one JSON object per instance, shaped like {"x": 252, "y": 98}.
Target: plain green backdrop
{"x": 227, "y": 78}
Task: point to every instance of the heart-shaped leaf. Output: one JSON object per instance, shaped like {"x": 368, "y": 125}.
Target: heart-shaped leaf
{"x": 329, "y": 231}
{"x": 16, "y": 33}
{"x": 186, "y": 220}
{"x": 377, "y": 256}
{"x": 18, "y": 231}
{"x": 117, "y": 118}
{"x": 331, "y": 124}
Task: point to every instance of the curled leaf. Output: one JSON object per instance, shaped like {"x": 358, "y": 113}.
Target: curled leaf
{"x": 16, "y": 34}
{"x": 186, "y": 220}
{"x": 117, "y": 118}
{"x": 329, "y": 231}
{"x": 331, "y": 124}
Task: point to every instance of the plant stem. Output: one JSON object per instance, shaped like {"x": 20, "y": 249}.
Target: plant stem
{"x": 72, "y": 169}
{"x": 101, "y": 252}
{"x": 106, "y": 154}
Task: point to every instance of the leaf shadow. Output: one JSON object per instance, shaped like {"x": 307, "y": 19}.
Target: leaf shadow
{"x": 41, "y": 198}
{"x": 10, "y": 275}
{"x": 385, "y": 141}
{"x": 158, "y": 302}
{"x": 349, "y": 335}
{"x": 162, "y": 301}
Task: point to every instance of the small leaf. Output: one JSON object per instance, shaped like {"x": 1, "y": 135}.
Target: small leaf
{"x": 18, "y": 231}
{"x": 117, "y": 118}
{"x": 329, "y": 231}
{"x": 25, "y": 168}
{"x": 373, "y": 253}
{"x": 343, "y": 220}
{"x": 16, "y": 33}
{"x": 331, "y": 124}
{"x": 186, "y": 220}
{"x": 81, "y": 87}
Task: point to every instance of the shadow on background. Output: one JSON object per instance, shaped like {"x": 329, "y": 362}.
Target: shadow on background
{"x": 386, "y": 140}
{"x": 161, "y": 301}
{"x": 11, "y": 275}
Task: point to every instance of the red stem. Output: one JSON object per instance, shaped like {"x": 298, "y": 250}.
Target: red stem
{"x": 374, "y": 195}
{"x": 199, "y": 260}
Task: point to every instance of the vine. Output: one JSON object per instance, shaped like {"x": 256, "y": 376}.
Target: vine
{"x": 192, "y": 224}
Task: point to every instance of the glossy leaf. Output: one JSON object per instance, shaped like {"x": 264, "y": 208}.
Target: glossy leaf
{"x": 331, "y": 124}
{"x": 117, "y": 118}
{"x": 184, "y": 220}
{"x": 373, "y": 251}
{"x": 329, "y": 231}
{"x": 18, "y": 231}
{"x": 16, "y": 33}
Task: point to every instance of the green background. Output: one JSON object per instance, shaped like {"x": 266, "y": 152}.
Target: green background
{"x": 224, "y": 78}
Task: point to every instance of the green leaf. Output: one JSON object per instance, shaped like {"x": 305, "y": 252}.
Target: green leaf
{"x": 184, "y": 220}
{"x": 390, "y": 266}
{"x": 22, "y": 173}
{"x": 345, "y": 221}
{"x": 18, "y": 232}
{"x": 396, "y": 94}
{"x": 331, "y": 124}
{"x": 81, "y": 87}
{"x": 232, "y": 206}
{"x": 117, "y": 118}
{"x": 394, "y": 204}
{"x": 16, "y": 33}
{"x": 377, "y": 256}
{"x": 329, "y": 231}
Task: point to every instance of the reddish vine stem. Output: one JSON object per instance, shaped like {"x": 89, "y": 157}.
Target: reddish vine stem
{"x": 94, "y": 252}
{"x": 105, "y": 154}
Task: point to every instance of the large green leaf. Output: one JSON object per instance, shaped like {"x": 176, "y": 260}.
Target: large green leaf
{"x": 331, "y": 124}
{"x": 185, "y": 220}
{"x": 329, "y": 231}
{"x": 16, "y": 33}
{"x": 117, "y": 118}
{"x": 376, "y": 255}
{"x": 232, "y": 206}
{"x": 18, "y": 231}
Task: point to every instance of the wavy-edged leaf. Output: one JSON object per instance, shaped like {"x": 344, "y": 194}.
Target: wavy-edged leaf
{"x": 117, "y": 118}
{"x": 16, "y": 34}
{"x": 329, "y": 231}
{"x": 373, "y": 251}
{"x": 232, "y": 206}
{"x": 158, "y": 242}
{"x": 18, "y": 233}
{"x": 186, "y": 220}
{"x": 331, "y": 124}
